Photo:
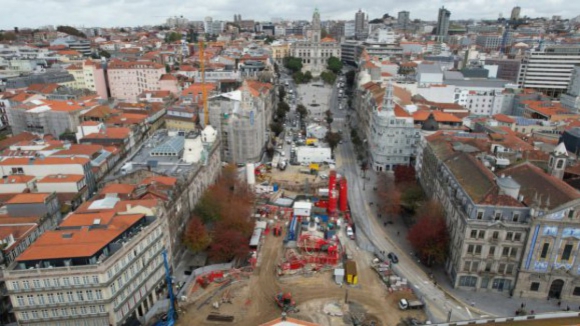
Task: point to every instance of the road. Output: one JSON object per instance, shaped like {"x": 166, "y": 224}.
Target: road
{"x": 366, "y": 221}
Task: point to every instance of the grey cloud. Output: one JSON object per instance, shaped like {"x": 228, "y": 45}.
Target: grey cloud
{"x": 108, "y": 13}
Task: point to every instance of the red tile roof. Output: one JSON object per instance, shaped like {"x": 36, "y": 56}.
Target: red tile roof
{"x": 83, "y": 242}
{"x": 28, "y": 198}
{"x": 44, "y": 161}
{"x": 61, "y": 178}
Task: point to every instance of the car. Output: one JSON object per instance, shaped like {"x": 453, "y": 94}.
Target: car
{"x": 283, "y": 153}
{"x": 349, "y": 232}
{"x": 393, "y": 258}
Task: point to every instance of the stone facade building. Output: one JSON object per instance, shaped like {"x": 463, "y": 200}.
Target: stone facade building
{"x": 314, "y": 52}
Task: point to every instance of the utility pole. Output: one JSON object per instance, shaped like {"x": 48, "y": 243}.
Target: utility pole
{"x": 346, "y": 296}
{"x": 449, "y": 315}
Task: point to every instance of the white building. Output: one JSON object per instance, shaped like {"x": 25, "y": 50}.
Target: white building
{"x": 571, "y": 100}
{"x": 549, "y": 70}
{"x": 392, "y": 135}
{"x": 102, "y": 268}
{"x": 429, "y": 74}
{"x": 315, "y": 51}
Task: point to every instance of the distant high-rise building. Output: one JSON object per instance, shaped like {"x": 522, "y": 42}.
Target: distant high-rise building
{"x": 403, "y": 18}
{"x": 515, "y": 13}
{"x": 360, "y": 25}
{"x": 443, "y": 22}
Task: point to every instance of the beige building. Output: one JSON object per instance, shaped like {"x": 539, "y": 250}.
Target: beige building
{"x": 280, "y": 50}
{"x": 88, "y": 75}
{"x": 129, "y": 79}
{"x": 315, "y": 51}
{"x": 103, "y": 268}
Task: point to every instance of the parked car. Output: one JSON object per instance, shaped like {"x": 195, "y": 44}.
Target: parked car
{"x": 349, "y": 232}
{"x": 393, "y": 258}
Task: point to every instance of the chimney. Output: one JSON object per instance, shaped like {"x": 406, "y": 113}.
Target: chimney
{"x": 129, "y": 206}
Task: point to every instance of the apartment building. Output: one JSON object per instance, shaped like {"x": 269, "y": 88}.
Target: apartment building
{"x": 129, "y": 79}
{"x": 388, "y": 128}
{"x": 549, "y": 70}
{"x": 489, "y": 42}
{"x": 571, "y": 99}
{"x": 241, "y": 118}
{"x": 95, "y": 269}
{"x": 46, "y": 116}
{"x": 89, "y": 75}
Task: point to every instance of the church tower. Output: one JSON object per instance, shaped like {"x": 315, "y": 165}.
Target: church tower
{"x": 558, "y": 160}
{"x": 388, "y": 107}
{"x": 316, "y": 27}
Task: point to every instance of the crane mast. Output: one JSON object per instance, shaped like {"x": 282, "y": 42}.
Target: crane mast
{"x": 203, "y": 86}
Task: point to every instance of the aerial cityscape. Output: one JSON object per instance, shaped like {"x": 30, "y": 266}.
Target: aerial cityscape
{"x": 166, "y": 164}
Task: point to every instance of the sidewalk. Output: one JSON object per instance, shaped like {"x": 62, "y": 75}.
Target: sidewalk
{"x": 496, "y": 303}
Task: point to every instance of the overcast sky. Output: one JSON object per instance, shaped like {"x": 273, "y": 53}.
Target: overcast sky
{"x": 111, "y": 13}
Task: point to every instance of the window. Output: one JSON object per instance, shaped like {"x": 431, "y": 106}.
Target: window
{"x": 506, "y": 251}
{"x": 54, "y": 312}
{"x": 509, "y": 236}
{"x": 36, "y": 284}
{"x": 514, "y": 252}
{"x": 80, "y": 296}
{"x": 69, "y": 296}
{"x": 481, "y": 234}
{"x": 90, "y": 295}
{"x": 484, "y": 283}
{"x": 576, "y": 291}
{"x": 51, "y": 298}
{"x": 545, "y": 248}
{"x": 34, "y": 314}
{"x": 515, "y": 217}
{"x": 64, "y": 312}
{"x": 95, "y": 279}
{"x": 480, "y": 215}
{"x": 15, "y": 286}
{"x": 30, "y": 298}
{"x": 24, "y": 315}
{"x": 535, "y": 286}
{"x": 567, "y": 251}
{"x": 560, "y": 164}
{"x": 497, "y": 216}
{"x": 60, "y": 297}
{"x": 56, "y": 281}
{"x": 73, "y": 311}
{"x": 495, "y": 235}
{"x": 41, "y": 299}
{"x": 473, "y": 234}
{"x": 26, "y": 285}
{"x": 83, "y": 310}
{"x": 93, "y": 309}
{"x": 501, "y": 268}
{"x": 20, "y": 300}
{"x": 467, "y": 266}
{"x": 469, "y": 281}
{"x": 66, "y": 281}
{"x": 517, "y": 237}
{"x": 46, "y": 282}
{"x": 45, "y": 313}
{"x": 478, "y": 249}
{"x": 470, "y": 249}
{"x": 509, "y": 269}
{"x": 77, "y": 280}
{"x": 99, "y": 294}
{"x": 491, "y": 251}
{"x": 102, "y": 308}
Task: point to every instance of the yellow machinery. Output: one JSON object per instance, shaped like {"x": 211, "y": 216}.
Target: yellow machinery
{"x": 314, "y": 167}
{"x": 310, "y": 141}
{"x": 203, "y": 86}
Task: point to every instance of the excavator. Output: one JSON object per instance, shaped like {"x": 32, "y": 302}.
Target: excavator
{"x": 285, "y": 302}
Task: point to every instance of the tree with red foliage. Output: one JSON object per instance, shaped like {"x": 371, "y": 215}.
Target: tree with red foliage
{"x": 228, "y": 244}
{"x": 196, "y": 237}
{"x": 430, "y": 236}
{"x": 389, "y": 197}
{"x": 404, "y": 174}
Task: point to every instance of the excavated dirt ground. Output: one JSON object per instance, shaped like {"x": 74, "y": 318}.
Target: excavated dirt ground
{"x": 253, "y": 299}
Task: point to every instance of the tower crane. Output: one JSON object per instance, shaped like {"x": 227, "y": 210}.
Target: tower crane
{"x": 172, "y": 313}
{"x": 203, "y": 86}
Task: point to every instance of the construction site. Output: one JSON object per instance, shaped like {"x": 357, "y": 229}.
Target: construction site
{"x": 305, "y": 265}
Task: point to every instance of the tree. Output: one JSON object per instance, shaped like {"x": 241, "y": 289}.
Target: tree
{"x": 389, "y": 196}
{"x": 280, "y": 114}
{"x": 334, "y": 64}
{"x": 208, "y": 207}
{"x": 376, "y": 21}
{"x": 281, "y": 94}
{"x": 333, "y": 139}
{"x": 404, "y": 174}
{"x": 196, "y": 237}
{"x": 284, "y": 106}
{"x": 276, "y": 128}
{"x": 329, "y": 118}
{"x": 300, "y": 108}
{"x": 172, "y": 37}
{"x": 269, "y": 40}
{"x": 430, "y": 236}
{"x": 293, "y": 64}
{"x": 70, "y": 31}
{"x": 328, "y": 77}
{"x": 323, "y": 33}
{"x": 7, "y": 36}
{"x": 412, "y": 196}
{"x": 228, "y": 244}
{"x": 307, "y": 76}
